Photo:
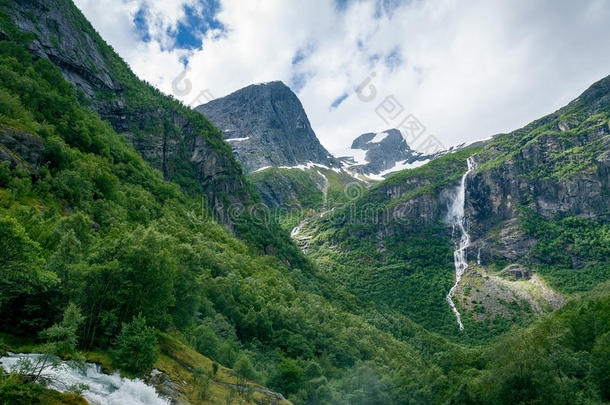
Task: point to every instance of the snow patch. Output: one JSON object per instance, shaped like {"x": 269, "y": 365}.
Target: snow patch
{"x": 379, "y": 137}
{"x": 306, "y": 166}
{"x": 261, "y": 169}
{"x": 359, "y": 156}
{"x": 397, "y": 167}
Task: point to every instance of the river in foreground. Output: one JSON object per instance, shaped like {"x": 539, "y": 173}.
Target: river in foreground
{"x": 103, "y": 389}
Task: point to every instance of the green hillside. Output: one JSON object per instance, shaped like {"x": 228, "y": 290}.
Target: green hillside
{"x": 538, "y": 199}
{"x": 122, "y": 253}
{"x": 85, "y": 221}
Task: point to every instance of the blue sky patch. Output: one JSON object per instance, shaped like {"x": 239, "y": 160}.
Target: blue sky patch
{"x": 189, "y": 32}
{"x": 393, "y": 59}
{"x": 298, "y": 81}
{"x": 141, "y": 24}
{"x": 338, "y": 101}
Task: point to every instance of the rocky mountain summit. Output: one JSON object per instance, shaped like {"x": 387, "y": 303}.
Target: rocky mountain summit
{"x": 382, "y": 153}
{"x": 266, "y": 125}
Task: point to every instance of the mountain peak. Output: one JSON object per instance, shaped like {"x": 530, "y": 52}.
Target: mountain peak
{"x": 266, "y": 125}
{"x": 380, "y": 153}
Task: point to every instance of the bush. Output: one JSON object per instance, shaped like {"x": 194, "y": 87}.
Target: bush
{"x": 136, "y": 347}
{"x": 288, "y": 377}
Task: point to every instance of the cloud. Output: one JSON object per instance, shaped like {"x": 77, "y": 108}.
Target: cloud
{"x": 466, "y": 70}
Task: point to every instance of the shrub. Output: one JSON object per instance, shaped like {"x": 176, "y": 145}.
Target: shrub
{"x": 136, "y": 347}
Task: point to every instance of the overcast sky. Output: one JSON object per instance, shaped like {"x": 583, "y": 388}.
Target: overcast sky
{"x": 464, "y": 69}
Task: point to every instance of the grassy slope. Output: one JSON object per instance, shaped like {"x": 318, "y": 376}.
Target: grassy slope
{"x": 313, "y": 190}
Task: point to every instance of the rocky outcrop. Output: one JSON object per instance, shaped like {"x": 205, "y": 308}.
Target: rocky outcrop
{"x": 515, "y": 272}
{"x": 385, "y": 151}
{"x": 266, "y": 125}
{"x": 504, "y": 243}
{"x": 21, "y": 148}
{"x": 59, "y": 38}
{"x": 553, "y": 172}
{"x": 173, "y": 139}
{"x": 166, "y": 387}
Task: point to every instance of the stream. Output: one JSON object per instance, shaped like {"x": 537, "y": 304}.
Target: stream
{"x": 104, "y": 389}
{"x": 456, "y": 218}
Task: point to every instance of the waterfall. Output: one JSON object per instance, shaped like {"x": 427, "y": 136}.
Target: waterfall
{"x": 103, "y": 389}
{"x": 456, "y": 218}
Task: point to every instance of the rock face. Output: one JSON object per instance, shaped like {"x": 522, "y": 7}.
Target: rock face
{"x": 267, "y": 126}
{"x": 558, "y": 165}
{"x": 173, "y": 139}
{"x": 21, "y": 148}
{"x": 292, "y": 189}
{"x": 383, "y": 152}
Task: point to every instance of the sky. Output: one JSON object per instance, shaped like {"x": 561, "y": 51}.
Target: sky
{"x": 458, "y": 71}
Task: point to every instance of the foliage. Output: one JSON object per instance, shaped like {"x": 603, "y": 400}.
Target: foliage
{"x": 571, "y": 253}
{"x": 136, "y": 347}
{"x": 62, "y": 337}
{"x": 557, "y": 360}
{"x": 96, "y": 226}
{"x": 15, "y": 391}
{"x": 60, "y": 340}
{"x": 244, "y": 368}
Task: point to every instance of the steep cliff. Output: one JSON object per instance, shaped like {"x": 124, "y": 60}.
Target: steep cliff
{"x": 558, "y": 165}
{"x": 179, "y": 142}
{"x": 536, "y": 209}
{"x": 267, "y": 126}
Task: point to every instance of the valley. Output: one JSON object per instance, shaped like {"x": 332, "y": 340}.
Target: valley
{"x": 221, "y": 254}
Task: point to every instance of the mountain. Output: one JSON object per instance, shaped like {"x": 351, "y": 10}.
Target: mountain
{"x": 267, "y": 126}
{"x": 180, "y": 143}
{"x": 109, "y": 251}
{"x": 272, "y": 138}
{"x": 382, "y": 153}
{"x": 534, "y": 206}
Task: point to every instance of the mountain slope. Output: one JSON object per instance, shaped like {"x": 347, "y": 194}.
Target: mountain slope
{"x": 86, "y": 221}
{"x": 267, "y": 126}
{"x": 180, "y": 143}
{"x": 537, "y": 213}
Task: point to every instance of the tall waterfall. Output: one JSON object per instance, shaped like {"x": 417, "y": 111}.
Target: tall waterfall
{"x": 456, "y": 218}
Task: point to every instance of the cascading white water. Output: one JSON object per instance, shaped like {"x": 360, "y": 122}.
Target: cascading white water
{"x": 104, "y": 389}
{"x": 456, "y": 218}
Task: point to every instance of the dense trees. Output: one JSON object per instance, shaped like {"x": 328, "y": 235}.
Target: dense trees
{"x": 92, "y": 224}
{"x": 96, "y": 243}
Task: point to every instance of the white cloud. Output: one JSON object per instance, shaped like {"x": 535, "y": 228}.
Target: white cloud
{"x": 469, "y": 69}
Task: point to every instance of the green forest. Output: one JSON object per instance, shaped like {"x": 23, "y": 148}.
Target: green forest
{"x": 101, "y": 257}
